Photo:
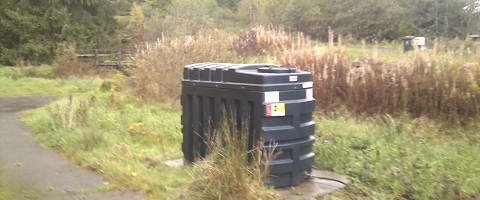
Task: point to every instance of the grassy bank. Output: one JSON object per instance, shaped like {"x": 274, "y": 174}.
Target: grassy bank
{"x": 119, "y": 136}
{"x": 386, "y": 158}
{"x": 401, "y": 158}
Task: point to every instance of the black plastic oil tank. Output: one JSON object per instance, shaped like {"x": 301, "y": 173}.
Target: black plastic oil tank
{"x": 279, "y": 103}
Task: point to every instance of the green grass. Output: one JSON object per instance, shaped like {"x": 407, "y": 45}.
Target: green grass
{"x": 118, "y": 136}
{"x": 389, "y": 158}
{"x": 384, "y": 53}
{"x": 43, "y": 71}
{"x": 23, "y": 81}
{"x": 41, "y": 86}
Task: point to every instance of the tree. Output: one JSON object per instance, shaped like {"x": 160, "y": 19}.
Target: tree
{"x": 32, "y": 29}
{"x": 135, "y": 26}
{"x": 25, "y": 34}
{"x": 383, "y": 19}
{"x": 230, "y": 4}
{"x": 261, "y": 12}
{"x": 161, "y": 6}
{"x": 473, "y": 15}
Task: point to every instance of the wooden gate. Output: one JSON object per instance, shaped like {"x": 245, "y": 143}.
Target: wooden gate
{"x": 116, "y": 58}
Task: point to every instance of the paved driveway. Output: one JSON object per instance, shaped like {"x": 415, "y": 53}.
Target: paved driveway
{"x": 29, "y": 170}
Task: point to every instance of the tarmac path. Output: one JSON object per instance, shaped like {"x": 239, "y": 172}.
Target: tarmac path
{"x": 29, "y": 170}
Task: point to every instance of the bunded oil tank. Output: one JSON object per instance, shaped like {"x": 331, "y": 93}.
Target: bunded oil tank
{"x": 474, "y": 37}
{"x": 408, "y": 43}
{"x": 279, "y": 102}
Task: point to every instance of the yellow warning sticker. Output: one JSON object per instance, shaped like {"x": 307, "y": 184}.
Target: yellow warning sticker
{"x": 275, "y": 110}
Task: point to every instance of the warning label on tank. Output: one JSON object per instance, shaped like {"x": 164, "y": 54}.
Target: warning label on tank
{"x": 275, "y": 110}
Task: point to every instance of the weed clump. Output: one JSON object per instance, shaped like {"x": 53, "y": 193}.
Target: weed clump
{"x": 232, "y": 170}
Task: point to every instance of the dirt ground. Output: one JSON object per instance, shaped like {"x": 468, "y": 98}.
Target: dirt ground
{"x": 29, "y": 170}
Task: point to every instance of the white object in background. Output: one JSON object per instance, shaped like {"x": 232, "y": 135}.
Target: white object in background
{"x": 420, "y": 41}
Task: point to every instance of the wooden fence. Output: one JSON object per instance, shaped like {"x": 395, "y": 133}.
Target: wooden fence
{"x": 116, "y": 58}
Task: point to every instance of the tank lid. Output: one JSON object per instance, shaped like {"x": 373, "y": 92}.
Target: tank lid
{"x": 275, "y": 69}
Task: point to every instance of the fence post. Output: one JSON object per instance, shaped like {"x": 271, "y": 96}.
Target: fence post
{"x": 119, "y": 58}
{"x": 96, "y": 57}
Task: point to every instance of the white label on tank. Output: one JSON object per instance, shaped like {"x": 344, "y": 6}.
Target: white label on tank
{"x": 275, "y": 110}
{"x": 271, "y": 97}
{"x": 307, "y": 84}
{"x": 293, "y": 78}
{"x": 310, "y": 94}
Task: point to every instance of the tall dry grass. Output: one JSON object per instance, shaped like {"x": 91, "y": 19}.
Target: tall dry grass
{"x": 160, "y": 63}
{"x": 262, "y": 39}
{"x": 440, "y": 83}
